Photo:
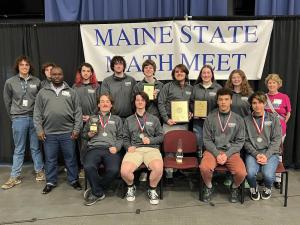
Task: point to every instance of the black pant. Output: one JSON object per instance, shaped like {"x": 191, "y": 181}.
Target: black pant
{"x": 92, "y": 161}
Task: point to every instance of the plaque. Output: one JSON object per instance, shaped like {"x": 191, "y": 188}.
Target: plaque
{"x": 149, "y": 90}
{"x": 200, "y": 108}
{"x": 180, "y": 111}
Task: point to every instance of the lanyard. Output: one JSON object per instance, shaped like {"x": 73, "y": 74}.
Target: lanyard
{"x": 139, "y": 123}
{"x": 226, "y": 124}
{"x": 259, "y": 129}
{"x": 103, "y": 125}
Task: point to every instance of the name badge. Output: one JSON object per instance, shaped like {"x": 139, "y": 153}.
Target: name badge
{"x": 149, "y": 124}
{"x": 268, "y": 123}
{"x": 128, "y": 83}
{"x": 244, "y": 98}
{"x": 25, "y": 102}
{"x": 111, "y": 122}
{"x": 91, "y": 91}
{"x": 231, "y": 125}
{"x": 66, "y": 93}
{"x": 277, "y": 101}
{"x": 212, "y": 93}
{"x": 32, "y": 86}
{"x": 188, "y": 92}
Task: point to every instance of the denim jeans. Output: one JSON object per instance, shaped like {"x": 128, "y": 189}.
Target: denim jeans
{"x": 92, "y": 161}
{"x": 54, "y": 143}
{"x": 198, "y": 130}
{"x": 21, "y": 127}
{"x": 267, "y": 170}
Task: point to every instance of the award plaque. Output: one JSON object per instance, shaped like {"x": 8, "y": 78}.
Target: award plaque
{"x": 149, "y": 90}
{"x": 94, "y": 125}
{"x": 180, "y": 111}
{"x": 200, "y": 108}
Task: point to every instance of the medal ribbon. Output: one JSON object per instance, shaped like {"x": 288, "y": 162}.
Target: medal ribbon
{"x": 259, "y": 129}
{"x": 139, "y": 123}
{"x": 103, "y": 125}
{"x": 226, "y": 124}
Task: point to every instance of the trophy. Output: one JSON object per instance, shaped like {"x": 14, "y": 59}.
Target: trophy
{"x": 179, "y": 153}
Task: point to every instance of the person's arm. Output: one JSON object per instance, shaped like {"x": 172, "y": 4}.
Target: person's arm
{"x": 208, "y": 139}
{"x": 77, "y": 113}
{"x": 248, "y": 144}
{"x": 159, "y": 135}
{"x": 104, "y": 88}
{"x": 126, "y": 135}
{"x": 119, "y": 142}
{"x": 275, "y": 138}
{"x": 162, "y": 101}
{"x": 38, "y": 116}
{"x": 7, "y": 97}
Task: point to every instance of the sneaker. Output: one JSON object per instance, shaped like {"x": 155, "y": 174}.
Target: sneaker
{"x": 92, "y": 199}
{"x": 247, "y": 186}
{"x": 234, "y": 195}
{"x": 254, "y": 194}
{"x": 87, "y": 193}
{"x": 153, "y": 197}
{"x": 277, "y": 185}
{"x": 143, "y": 177}
{"x": 130, "y": 195}
{"x": 227, "y": 182}
{"x": 12, "y": 181}
{"x": 81, "y": 174}
{"x": 266, "y": 194}
{"x": 40, "y": 176}
{"x": 207, "y": 194}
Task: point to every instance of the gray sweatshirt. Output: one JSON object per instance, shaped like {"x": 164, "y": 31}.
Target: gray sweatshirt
{"x": 231, "y": 141}
{"x": 45, "y": 83}
{"x": 269, "y": 139}
{"x": 205, "y": 94}
{"x": 57, "y": 114}
{"x": 152, "y": 130}
{"x": 153, "y": 108}
{"x": 19, "y": 95}
{"x": 121, "y": 91}
{"x": 240, "y": 104}
{"x": 113, "y": 129}
{"x": 88, "y": 98}
{"x": 171, "y": 92}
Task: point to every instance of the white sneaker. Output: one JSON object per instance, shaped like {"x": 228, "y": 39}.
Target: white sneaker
{"x": 130, "y": 195}
{"x": 153, "y": 197}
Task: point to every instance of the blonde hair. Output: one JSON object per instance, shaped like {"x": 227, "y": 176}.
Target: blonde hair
{"x": 275, "y": 77}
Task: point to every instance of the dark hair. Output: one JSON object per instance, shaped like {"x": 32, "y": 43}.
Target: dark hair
{"x": 149, "y": 62}
{"x": 259, "y": 95}
{"x": 117, "y": 59}
{"x": 110, "y": 99}
{"x": 144, "y": 96}
{"x": 184, "y": 69}
{"x": 199, "y": 79}
{"x": 45, "y": 65}
{"x": 58, "y": 68}
{"x": 224, "y": 91}
{"x": 93, "y": 78}
{"x": 26, "y": 59}
{"x": 246, "y": 89}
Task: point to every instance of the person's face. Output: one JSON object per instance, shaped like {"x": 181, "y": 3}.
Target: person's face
{"x": 57, "y": 76}
{"x": 104, "y": 104}
{"x": 224, "y": 102}
{"x": 48, "y": 72}
{"x": 236, "y": 79}
{"x": 140, "y": 103}
{"x": 257, "y": 106}
{"x": 179, "y": 74}
{"x": 272, "y": 85}
{"x": 86, "y": 73}
{"x": 118, "y": 67}
{"x": 148, "y": 71}
{"x": 206, "y": 75}
{"x": 24, "y": 67}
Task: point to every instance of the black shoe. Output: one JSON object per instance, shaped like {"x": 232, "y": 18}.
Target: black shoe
{"x": 254, "y": 194}
{"x": 48, "y": 188}
{"x": 207, "y": 192}
{"x": 76, "y": 185}
{"x": 234, "y": 195}
{"x": 266, "y": 193}
{"x": 277, "y": 185}
{"x": 92, "y": 199}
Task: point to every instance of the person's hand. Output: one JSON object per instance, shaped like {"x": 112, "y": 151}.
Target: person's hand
{"x": 42, "y": 136}
{"x": 74, "y": 135}
{"x": 113, "y": 150}
{"x": 155, "y": 92}
{"x": 85, "y": 118}
{"x": 171, "y": 122}
{"x": 221, "y": 158}
{"x": 261, "y": 159}
{"x": 91, "y": 134}
{"x": 191, "y": 115}
{"x": 146, "y": 141}
{"x": 131, "y": 149}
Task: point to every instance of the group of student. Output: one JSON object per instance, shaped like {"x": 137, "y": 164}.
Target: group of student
{"x": 120, "y": 115}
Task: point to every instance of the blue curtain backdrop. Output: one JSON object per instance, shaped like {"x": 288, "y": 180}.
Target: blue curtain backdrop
{"x": 89, "y": 10}
{"x": 277, "y": 7}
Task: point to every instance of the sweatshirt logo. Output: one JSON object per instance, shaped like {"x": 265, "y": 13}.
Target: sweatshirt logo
{"x": 111, "y": 122}
{"x": 66, "y": 93}
{"x": 212, "y": 93}
{"x": 149, "y": 124}
{"x": 33, "y": 86}
{"x": 268, "y": 123}
{"x": 231, "y": 125}
{"x": 188, "y": 92}
{"x": 244, "y": 98}
{"x": 128, "y": 83}
{"x": 91, "y": 91}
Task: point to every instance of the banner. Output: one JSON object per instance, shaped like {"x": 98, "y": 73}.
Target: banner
{"x": 225, "y": 45}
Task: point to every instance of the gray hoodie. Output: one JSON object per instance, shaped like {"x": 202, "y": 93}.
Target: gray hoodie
{"x": 269, "y": 139}
{"x": 231, "y": 141}
{"x": 57, "y": 114}
{"x": 19, "y": 95}
{"x": 240, "y": 104}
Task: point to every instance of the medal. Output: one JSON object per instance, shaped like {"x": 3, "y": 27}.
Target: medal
{"x": 103, "y": 125}
{"x": 259, "y": 129}
{"x": 104, "y": 134}
{"x": 142, "y": 135}
{"x": 259, "y": 139}
{"x": 226, "y": 124}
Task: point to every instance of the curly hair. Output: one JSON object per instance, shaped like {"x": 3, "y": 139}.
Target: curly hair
{"x": 26, "y": 59}
{"x": 246, "y": 89}
{"x": 46, "y": 65}
{"x": 93, "y": 79}
{"x": 117, "y": 59}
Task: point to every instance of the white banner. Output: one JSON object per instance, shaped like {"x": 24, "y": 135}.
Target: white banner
{"x": 225, "y": 45}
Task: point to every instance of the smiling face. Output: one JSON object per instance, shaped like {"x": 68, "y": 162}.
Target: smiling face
{"x": 148, "y": 71}
{"x": 236, "y": 79}
{"x": 105, "y": 104}
{"x": 206, "y": 75}
{"x": 273, "y": 85}
{"x": 179, "y": 74}
{"x": 48, "y": 72}
{"x": 24, "y": 67}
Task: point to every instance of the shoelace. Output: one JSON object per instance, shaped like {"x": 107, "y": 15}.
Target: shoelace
{"x": 153, "y": 195}
{"x": 267, "y": 191}
{"x": 130, "y": 191}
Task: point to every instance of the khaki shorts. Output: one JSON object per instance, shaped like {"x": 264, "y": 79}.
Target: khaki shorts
{"x": 142, "y": 155}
